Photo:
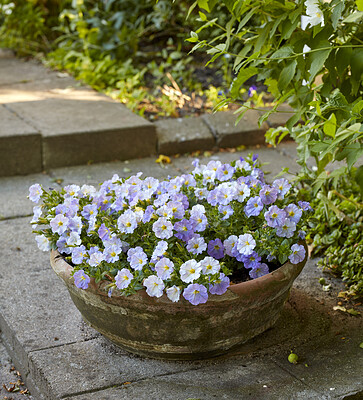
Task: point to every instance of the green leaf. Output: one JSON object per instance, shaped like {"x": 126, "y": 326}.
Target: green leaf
{"x": 357, "y": 16}
{"x": 204, "y": 4}
{"x": 317, "y": 62}
{"x": 241, "y": 55}
{"x": 354, "y": 152}
{"x": 277, "y": 23}
{"x": 342, "y": 59}
{"x": 243, "y": 75}
{"x": 202, "y": 16}
{"x": 330, "y": 126}
{"x": 359, "y": 4}
{"x": 356, "y": 64}
{"x": 283, "y": 52}
{"x": 191, "y": 8}
{"x": 262, "y": 35}
{"x": 340, "y": 215}
{"x": 286, "y": 75}
{"x": 337, "y": 13}
{"x": 246, "y": 18}
{"x": 293, "y": 120}
{"x": 272, "y": 86}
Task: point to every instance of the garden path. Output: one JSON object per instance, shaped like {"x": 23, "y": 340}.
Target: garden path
{"x": 49, "y": 120}
{"x": 60, "y": 357}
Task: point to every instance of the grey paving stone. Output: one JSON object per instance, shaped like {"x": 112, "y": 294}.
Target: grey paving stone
{"x": 14, "y": 191}
{"x": 183, "y": 135}
{"x": 238, "y": 383}
{"x": 241, "y": 378}
{"x": 334, "y": 367}
{"x": 93, "y": 364}
{"x": 36, "y": 309}
{"x": 9, "y": 376}
{"x": 95, "y": 174}
{"x": 6, "y": 53}
{"x": 20, "y": 145}
{"x": 228, "y": 134}
{"x": 15, "y": 70}
{"x": 98, "y": 173}
{"x": 79, "y": 131}
{"x": 53, "y": 85}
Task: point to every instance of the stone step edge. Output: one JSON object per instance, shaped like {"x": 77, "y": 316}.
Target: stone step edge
{"x": 36, "y": 159}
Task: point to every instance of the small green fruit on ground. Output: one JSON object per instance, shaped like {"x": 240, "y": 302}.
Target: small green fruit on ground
{"x": 293, "y": 358}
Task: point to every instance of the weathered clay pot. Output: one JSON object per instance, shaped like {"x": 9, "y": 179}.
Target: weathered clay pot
{"x": 159, "y": 328}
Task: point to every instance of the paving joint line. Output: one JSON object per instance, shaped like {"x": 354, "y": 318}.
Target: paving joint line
{"x": 62, "y": 344}
{"x": 14, "y": 217}
{"x": 65, "y": 396}
{"x": 211, "y": 129}
{"x": 7, "y": 106}
{"x": 294, "y": 376}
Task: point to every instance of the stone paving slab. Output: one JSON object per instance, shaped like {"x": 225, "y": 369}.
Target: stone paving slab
{"x": 55, "y": 85}
{"x": 80, "y": 126}
{"x": 326, "y": 360}
{"x": 6, "y": 53}
{"x": 16, "y": 70}
{"x": 79, "y": 131}
{"x": 14, "y": 191}
{"x": 37, "y": 314}
{"x": 95, "y": 174}
{"x": 8, "y": 377}
{"x": 20, "y": 145}
{"x": 228, "y": 134}
{"x": 183, "y": 135}
{"x": 232, "y": 379}
{"x": 93, "y": 365}
{"x": 60, "y": 356}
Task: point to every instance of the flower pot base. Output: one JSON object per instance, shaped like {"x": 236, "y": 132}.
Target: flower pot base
{"x": 158, "y": 328}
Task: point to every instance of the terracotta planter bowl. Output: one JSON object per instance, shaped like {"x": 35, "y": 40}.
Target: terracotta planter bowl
{"x": 159, "y": 328}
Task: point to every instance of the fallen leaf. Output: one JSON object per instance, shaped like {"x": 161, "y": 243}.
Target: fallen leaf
{"x": 326, "y": 288}
{"x": 354, "y": 312}
{"x": 339, "y": 308}
{"x": 163, "y": 159}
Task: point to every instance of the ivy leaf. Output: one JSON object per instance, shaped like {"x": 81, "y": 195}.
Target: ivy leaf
{"x": 286, "y": 75}
{"x": 317, "y": 62}
{"x": 330, "y": 126}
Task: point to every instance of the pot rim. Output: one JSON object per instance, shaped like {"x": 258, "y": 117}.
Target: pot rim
{"x": 288, "y": 272}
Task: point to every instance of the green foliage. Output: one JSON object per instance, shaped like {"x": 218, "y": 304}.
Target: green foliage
{"x": 128, "y": 49}
{"x": 27, "y": 37}
{"x": 337, "y": 231}
{"x": 318, "y": 70}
